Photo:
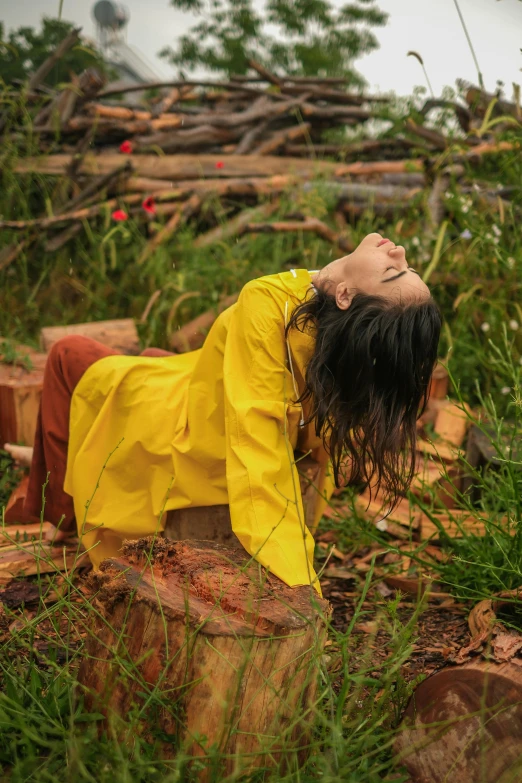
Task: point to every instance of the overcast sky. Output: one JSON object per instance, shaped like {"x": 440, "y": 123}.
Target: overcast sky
{"x": 430, "y": 27}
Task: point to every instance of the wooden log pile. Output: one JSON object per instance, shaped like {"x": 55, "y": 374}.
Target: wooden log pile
{"x": 243, "y": 141}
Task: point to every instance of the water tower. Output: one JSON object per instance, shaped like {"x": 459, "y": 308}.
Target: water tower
{"x": 111, "y": 20}
{"x": 126, "y": 62}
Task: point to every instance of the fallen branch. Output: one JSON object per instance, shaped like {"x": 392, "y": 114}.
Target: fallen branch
{"x": 175, "y": 167}
{"x": 192, "y": 336}
{"x": 234, "y": 86}
{"x": 197, "y": 167}
{"x": 187, "y": 210}
{"x": 46, "y": 67}
{"x": 265, "y": 74}
{"x": 166, "y": 103}
{"x": 312, "y": 225}
{"x": 246, "y": 144}
{"x": 61, "y": 239}
{"x": 119, "y": 173}
{"x": 68, "y": 217}
{"x": 279, "y": 139}
{"x": 241, "y": 186}
{"x": 345, "y": 150}
{"x": 234, "y": 226}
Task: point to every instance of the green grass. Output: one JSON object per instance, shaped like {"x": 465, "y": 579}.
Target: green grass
{"x": 47, "y": 735}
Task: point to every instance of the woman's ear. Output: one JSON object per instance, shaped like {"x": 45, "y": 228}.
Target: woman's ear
{"x": 343, "y": 296}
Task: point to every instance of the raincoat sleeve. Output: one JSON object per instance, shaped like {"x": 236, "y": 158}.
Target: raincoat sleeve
{"x": 262, "y": 480}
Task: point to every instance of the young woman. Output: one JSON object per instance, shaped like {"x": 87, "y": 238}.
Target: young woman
{"x": 335, "y": 363}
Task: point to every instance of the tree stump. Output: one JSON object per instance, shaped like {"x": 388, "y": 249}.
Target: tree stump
{"x": 214, "y": 657}
{"x": 213, "y": 523}
{"x": 20, "y": 392}
{"x": 464, "y": 725}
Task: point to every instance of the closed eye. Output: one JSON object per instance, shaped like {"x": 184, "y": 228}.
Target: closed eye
{"x": 410, "y": 269}
{"x": 389, "y": 279}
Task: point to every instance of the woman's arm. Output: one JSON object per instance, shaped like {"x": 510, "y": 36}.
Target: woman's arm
{"x": 263, "y": 483}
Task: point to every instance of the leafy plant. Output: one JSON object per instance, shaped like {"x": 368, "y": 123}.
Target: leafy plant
{"x": 313, "y": 37}
{"x": 11, "y": 354}
{"x": 23, "y": 50}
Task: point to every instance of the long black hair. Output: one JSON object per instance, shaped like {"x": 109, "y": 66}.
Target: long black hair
{"x": 367, "y": 382}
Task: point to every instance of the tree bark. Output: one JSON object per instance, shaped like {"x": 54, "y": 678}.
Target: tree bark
{"x": 196, "y": 167}
{"x": 225, "y": 654}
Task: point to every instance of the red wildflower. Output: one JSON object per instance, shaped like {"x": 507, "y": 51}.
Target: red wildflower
{"x": 219, "y": 164}
{"x": 126, "y": 147}
{"x": 149, "y": 205}
{"x": 119, "y": 215}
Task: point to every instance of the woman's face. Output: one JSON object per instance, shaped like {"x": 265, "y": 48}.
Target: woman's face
{"x": 377, "y": 267}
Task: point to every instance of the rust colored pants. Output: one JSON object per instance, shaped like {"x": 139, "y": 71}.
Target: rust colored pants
{"x": 68, "y": 359}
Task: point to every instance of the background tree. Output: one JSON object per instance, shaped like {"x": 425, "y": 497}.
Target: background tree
{"x": 299, "y": 37}
{"x": 22, "y": 51}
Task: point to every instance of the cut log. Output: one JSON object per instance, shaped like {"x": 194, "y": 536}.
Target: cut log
{"x": 402, "y": 522}
{"x": 176, "y": 167}
{"x": 446, "y": 452}
{"x": 11, "y": 535}
{"x": 224, "y": 654}
{"x": 26, "y": 558}
{"x": 120, "y": 334}
{"x": 486, "y": 451}
{"x": 279, "y": 139}
{"x": 310, "y": 225}
{"x": 189, "y": 139}
{"x": 192, "y": 336}
{"x": 236, "y": 225}
{"x": 406, "y": 521}
{"x": 430, "y": 479}
{"x": 20, "y": 392}
{"x": 14, "y": 511}
{"x": 452, "y": 423}
{"x": 429, "y": 415}
{"x": 457, "y": 524}
{"x": 251, "y": 186}
{"x": 309, "y": 471}
{"x": 118, "y": 176}
{"x": 213, "y": 523}
{"x": 204, "y": 523}
{"x": 464, "y": 724}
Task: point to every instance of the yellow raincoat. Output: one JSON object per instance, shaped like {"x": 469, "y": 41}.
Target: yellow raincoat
{"x": 213, "y": 426}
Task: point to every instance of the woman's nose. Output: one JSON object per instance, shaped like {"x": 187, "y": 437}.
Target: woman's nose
{"x": 397, "y": 253}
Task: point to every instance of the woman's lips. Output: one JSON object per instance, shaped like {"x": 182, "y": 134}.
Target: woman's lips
{"x": 383, "y": 242}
